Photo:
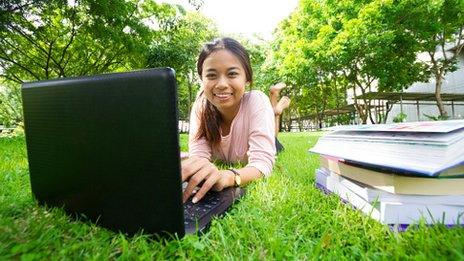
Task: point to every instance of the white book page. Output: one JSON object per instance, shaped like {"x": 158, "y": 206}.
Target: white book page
{"x": 398, "y": 213}
{"x": 426, "y": 160}
{"x": 349, "y": 196}
{"x": 421, "y": 126}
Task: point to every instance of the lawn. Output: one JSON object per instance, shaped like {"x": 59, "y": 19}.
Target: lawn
{"x": 283, "y": 217}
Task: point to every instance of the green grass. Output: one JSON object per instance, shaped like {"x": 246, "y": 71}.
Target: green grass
{"x": 283, "y": 217}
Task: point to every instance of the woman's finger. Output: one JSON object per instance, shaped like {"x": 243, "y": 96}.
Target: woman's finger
{"x": 191, "y": 166}
{"x": 195, "y": 180}
{"x": 212, "y": 179}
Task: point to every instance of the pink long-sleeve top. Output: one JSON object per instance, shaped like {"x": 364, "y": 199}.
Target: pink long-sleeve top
{"x": 251, "y": 139}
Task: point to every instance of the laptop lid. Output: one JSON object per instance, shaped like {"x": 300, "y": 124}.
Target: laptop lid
{"x": 107, "y": 147}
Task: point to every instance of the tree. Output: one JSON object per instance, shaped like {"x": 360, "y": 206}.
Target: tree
{"x": 366, "y": 43}
{"x": 58, "y": 38}
{"x": 302, "y": 59}
{"x": 378, "y": 52}
{"x": 179, "y": 48}
{"x": 439, "y": 31}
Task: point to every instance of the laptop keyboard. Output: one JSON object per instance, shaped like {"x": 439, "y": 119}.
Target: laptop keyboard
{"x": 194, "y": 212}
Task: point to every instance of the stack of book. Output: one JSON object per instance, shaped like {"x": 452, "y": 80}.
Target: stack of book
{"x": 399, "y": 174}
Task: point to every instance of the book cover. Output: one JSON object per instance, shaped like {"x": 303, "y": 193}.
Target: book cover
{"x": 413, "y": 148}
{"x": 410, "y": 159}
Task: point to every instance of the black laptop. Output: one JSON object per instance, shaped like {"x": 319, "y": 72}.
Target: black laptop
{"x": 106, "y": 148}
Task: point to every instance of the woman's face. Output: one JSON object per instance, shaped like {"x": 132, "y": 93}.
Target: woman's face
{"x": 224, "y": 80}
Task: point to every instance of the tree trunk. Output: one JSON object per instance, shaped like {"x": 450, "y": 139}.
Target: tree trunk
{"x": 360, "y": 108}
{"x": 438, "y": 84}
{"x": 388, "y": 108}
{"x": 371, "y": 118}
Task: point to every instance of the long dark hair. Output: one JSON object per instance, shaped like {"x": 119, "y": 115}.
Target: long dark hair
{"x": 210, "y": 118}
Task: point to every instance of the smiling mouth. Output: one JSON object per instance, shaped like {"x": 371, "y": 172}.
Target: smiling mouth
{"x": 222, "y": 95}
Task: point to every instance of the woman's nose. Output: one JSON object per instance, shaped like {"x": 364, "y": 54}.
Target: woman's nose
{"x": 222, "y": 82}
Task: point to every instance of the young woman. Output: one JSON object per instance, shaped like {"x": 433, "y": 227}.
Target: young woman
{"x": 229, "y": 124}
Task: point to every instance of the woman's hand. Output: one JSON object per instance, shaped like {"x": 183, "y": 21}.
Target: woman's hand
{"x": 200, "y": 170}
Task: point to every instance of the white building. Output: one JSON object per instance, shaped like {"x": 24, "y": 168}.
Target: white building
{"x": 452, "y": 84}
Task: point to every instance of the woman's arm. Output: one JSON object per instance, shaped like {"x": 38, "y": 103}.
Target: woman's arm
{"x": 200, "y": 170}
{"x": 247, "y": 175}
{"x": 261, "y": 140}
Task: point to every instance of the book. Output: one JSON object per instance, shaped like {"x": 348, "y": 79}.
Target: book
{"x": 393, "y": 213}
{"x": 417, "y": 127}
{"x": 394, "y": 183}
{"x": 347, "y": 198}
{"x": 371, "y": 194}
{"x": 421, "y": 149}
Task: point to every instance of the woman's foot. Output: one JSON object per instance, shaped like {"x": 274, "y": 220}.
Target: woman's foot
{"x": 275, "y": 89}
{"x": 282, "y": 105}
{"x": 274, "y": 92}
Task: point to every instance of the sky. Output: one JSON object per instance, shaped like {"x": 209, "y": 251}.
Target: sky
{"x": 246, "y": 17}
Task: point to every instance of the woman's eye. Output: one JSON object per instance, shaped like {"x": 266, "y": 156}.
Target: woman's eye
{"x": 233, "y": 74}
{"x": 210, "y": 76}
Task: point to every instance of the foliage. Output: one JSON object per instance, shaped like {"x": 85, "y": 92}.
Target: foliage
{"x": 342, "y": 119}
{"x": 178, "y": 47}
{"x": 56, "y": 38}
{"x": 367, "y": 45}
{"x": 440, "y": 34}
{"x": 10, "y": 105}
{"x": 258, "y": 50}
{"x": 322, "y": 50}
{"x": 400, "y": 117}
{"x": 282, "y": 217}
{"x": 437, "y": 118}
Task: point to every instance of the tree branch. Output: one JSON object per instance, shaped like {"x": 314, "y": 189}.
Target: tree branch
{"x": 14, "y": 79}
{"x": 19, "y": 7}
{"x": 16, "y": 49}
{"x": 50, "y": 47}
{"x": 34, "y": 43}
{"x": 21, "y": 66}
{"x": 28, "y": 38}
{"x": 71, "y": 40}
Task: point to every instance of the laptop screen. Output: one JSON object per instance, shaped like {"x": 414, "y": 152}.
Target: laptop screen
{"x": 106, "y": 147}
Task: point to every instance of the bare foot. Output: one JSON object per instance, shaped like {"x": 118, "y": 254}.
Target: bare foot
{"x": 184, "y": 155}
{"x": 275, "y": 89}
{"x": 274, "y": 93}
{"x": 282, "y": 105}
